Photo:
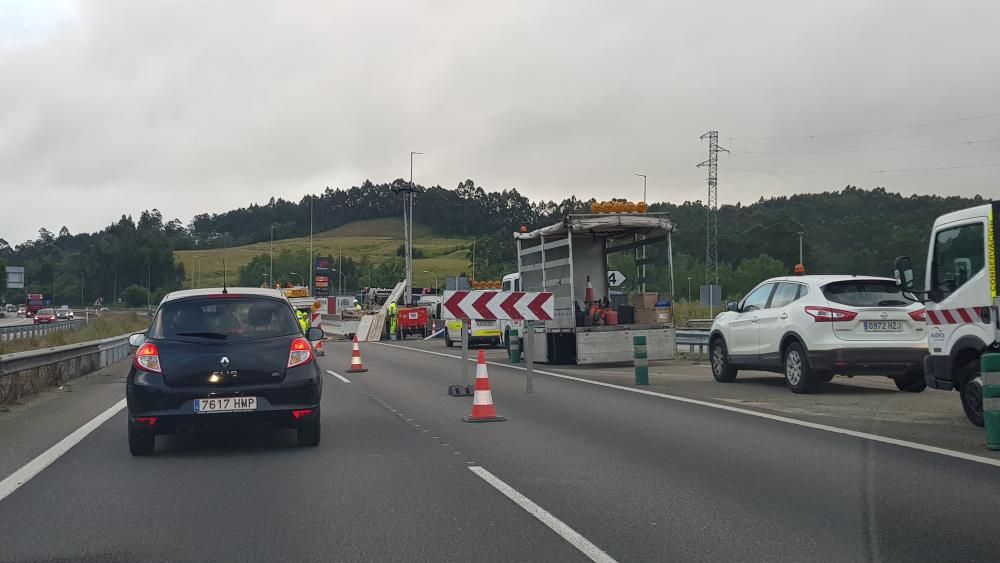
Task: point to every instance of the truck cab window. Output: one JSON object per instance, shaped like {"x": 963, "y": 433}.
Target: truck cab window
{"x": 958, "y": 255}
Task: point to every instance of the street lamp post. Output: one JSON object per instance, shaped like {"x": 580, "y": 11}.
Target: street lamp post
{"x": 408, "y": 298}
{"x": 148, "y": 288}
{"x": 270, "y": 270}
{"x": 800, "y": 246}
{"x": 643, "y": 176}
{"x": 435, "y": 277}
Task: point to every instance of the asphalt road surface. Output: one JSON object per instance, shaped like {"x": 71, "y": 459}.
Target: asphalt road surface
{"x": 11, "y": 319}
{"x": 578, "y": 471}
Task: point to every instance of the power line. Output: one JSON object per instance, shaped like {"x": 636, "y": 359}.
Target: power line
{"x": 878, "y": 149}
{"x": 882, "y": 171}
{"x": 868, "y": 131}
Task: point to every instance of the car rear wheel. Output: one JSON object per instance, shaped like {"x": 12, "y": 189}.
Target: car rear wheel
{"x": 140, "y": 442}
{"x": 912, "y": 382}
{"x": 972, "y": 399}
{"x": 308, "y": 433}
{"x": 799, "y": 375}
{"x": 722, "y": 370}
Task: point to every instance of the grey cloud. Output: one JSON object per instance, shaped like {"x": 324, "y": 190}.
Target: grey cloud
{"x": 204, "y": 106}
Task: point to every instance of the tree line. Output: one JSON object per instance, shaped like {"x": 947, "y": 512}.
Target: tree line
{"x": 851, "y": 230}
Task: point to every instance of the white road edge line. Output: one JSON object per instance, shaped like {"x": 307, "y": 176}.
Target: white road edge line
{"x": 778, "y": 418}
{"x": 593, "y": 552}
{"x": 35, "y": 466}
{"x": 338, "y": 376}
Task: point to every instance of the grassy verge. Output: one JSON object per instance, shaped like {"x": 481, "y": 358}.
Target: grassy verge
{"x": 108, "y": 325}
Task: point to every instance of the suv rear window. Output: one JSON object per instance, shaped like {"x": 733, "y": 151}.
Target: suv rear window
{"x": 231, "y": 319}
{"x": 865, "y": 293}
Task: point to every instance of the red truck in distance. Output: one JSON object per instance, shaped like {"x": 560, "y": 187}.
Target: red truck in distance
{"x": 36, "y": 301}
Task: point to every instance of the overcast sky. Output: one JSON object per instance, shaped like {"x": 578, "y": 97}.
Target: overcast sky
{"x": 115, "y": 106}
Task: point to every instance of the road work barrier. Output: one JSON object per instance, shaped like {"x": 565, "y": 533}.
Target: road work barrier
{"x": 25, "y": 373}
{"x": 990, "y": 364}
{"x": 9, "y": 333}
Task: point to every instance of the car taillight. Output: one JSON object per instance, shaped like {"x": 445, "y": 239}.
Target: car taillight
{"x": 300, "y": 353}
{"x": 147, "y": 358}
{"x": 919, "y": 316}
{"x": 830, "y": 315}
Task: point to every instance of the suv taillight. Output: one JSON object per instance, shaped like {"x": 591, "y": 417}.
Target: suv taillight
{"x": 147, "y": 358}
{"x": 830, "y": 315}
{"x": 919, "y": 316}
{"x": 300, "y": 352}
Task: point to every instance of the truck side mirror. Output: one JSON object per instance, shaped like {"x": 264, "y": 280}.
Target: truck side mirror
{"x": 904, "y": 273}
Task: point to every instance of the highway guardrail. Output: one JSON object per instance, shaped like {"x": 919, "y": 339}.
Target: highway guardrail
{"x": 17, "y": 332}
{"x": 691, "y": 338}
{"x": 26, "y": 373}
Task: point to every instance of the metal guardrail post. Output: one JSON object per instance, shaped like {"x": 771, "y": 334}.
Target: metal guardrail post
{"x": 990, "y": 367}
{"x": 640, "y": 361}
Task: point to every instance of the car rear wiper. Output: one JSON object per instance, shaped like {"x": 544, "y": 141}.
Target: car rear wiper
{"x": 215, "y": 335}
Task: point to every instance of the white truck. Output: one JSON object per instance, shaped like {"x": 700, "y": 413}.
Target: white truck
{"x": 559, "y": 258}
{"x": 960, "y": 294}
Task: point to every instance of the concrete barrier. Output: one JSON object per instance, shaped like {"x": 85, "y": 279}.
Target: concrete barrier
{"x": 23, "y": 374}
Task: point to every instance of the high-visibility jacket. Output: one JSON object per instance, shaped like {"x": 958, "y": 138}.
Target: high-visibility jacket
{"x": 303, "y": 322}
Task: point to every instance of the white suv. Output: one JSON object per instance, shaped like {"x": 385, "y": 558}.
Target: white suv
{"x": 813, "y": 327}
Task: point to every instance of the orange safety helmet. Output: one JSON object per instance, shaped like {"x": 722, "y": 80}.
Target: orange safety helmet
{"x": 800, "y": 270}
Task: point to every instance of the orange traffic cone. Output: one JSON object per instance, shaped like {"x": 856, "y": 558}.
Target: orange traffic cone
{"x": 589, "y": 296}
{"x": 356, "y": 366}
{"x": 482, "y": 400}
{"x": 319, "y": 348}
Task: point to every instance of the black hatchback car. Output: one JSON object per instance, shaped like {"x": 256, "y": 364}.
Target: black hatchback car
{"x": 223, "y": 357}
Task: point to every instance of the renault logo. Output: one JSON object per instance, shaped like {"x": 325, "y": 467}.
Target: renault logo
{"x": 225, "y": 361}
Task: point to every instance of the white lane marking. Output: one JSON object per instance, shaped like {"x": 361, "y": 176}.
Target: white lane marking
{"x": 778, "y": 418}
{"x": 338, "y": 376}
{"x": 35, "y": 466}
{"x": 593, "y": 552}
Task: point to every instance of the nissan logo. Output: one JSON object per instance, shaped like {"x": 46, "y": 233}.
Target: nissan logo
{"x": 884, "y": 315}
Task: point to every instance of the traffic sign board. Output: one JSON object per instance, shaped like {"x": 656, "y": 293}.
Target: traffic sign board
{"x": 616, "y": 278}
{"x": 498, "y": 305}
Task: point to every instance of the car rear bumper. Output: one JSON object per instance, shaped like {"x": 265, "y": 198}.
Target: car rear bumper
{"x": 879, "y": 361}
{"x": 170, "y": 422}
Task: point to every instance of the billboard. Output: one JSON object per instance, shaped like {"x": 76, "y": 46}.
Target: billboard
{"x": 321, "y": 285}
{"x": 15, "y": 277}
{"x": 324, "y": 263}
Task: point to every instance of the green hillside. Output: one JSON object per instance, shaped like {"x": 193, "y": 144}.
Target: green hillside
{"x": 377, "y": 239}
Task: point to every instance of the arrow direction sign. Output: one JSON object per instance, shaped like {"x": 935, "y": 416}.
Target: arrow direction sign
{"x": 498, "y": 305}
{"x": 616, "y": 278}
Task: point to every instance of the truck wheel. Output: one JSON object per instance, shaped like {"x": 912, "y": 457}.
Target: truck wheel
{"x": 912, "y": 382}
{"x": 799, "y": 375}
{"x": 447, "y": 339}
{"x": 722, "y": 371}
{"x": 506, "y": 339}
{"x": 972, "y": 398}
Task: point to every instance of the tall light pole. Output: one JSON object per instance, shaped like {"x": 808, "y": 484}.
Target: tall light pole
{"x": 800, "y": 246}
{"x": 148, "y": 288}
{"x": 270, "y": 270}
{"x": 643, "y": 176}
{"x": 114, "y": 297}
{"x": 689, "y": 290}
{"x": 409, "y": 235}
{"x": 310, "y": 267}
{"x": 435, "y": 278}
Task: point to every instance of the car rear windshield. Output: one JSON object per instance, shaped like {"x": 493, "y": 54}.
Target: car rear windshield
{"x": 44, "y": 312}
{"x": 225, "y": 319}
{"x": 865, "y": 293}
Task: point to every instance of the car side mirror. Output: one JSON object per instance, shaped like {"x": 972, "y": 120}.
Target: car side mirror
{"x": 136, "y": 340}
{"x": 904, "y": 273}
{"x": 733, "y": 306}
{"x": 314, "y": 334}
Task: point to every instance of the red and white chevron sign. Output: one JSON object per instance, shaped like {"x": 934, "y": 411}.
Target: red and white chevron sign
{"x": 488, "y": 305}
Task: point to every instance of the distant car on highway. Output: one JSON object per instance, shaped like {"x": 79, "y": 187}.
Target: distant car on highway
{"x": 64, "y": 313}
{"x": 812, "y": 327}
{"x": 12, "y": 308}
{"x": 215, "y": 357}
{"x": 22, "y": 311}
{"x": 45, "y": 316}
